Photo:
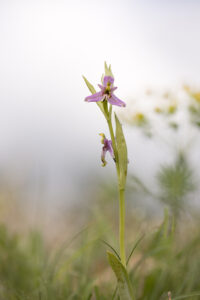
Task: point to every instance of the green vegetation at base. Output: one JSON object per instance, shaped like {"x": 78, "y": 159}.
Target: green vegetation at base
{"x": 166, "y": 259}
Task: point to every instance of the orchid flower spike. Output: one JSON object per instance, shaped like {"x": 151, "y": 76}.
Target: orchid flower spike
{"x": 107, "y": 146}
{"x": 106, "y": 93}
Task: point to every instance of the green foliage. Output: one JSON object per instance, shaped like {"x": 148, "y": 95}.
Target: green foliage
{"x": 20, "y": 265}
{"x": 194, "y": 110}
{"x": 122, "y": 152}
{"x": 166, "y": 259}
{"x": 167, "y": 264}
{"x": 176, "y": 182}
{"x": 123, "y": 282}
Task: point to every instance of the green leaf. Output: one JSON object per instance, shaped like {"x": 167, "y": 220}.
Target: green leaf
{"x": 93, "y": 91}
{"x": 187, "y": 296}
{"x": 89, "y": 85}
{"x": 122, "y": 152}
{"x": 115, "y": 293}
{"x": 97, "y": 294}
{"x": 90, "y": 296}
{"x": 134, "y": 247}
{"x": 107, "y": 244}
{"x": 166, "y": 223}
{"x": 124, "y": 285}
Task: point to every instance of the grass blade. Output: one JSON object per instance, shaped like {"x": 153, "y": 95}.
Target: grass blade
{"x": 134, "y": 247}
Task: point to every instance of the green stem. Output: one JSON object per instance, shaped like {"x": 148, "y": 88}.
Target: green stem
{"x": 109, "y": 121}
{"x": 122, "y": 226}
{"x": 121, "y": 197}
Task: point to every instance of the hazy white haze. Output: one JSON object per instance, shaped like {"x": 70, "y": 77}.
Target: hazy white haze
{"x": 46, "y": 129}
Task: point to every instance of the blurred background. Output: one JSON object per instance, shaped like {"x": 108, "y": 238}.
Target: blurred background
{"x": 50, "y": 169}
{"x": 50, "y": 148}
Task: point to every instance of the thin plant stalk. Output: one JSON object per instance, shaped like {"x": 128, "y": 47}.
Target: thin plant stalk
{"x": 121, "y": 198}
{"x": 122, "y": 226}
{"x": 103, "y": 98}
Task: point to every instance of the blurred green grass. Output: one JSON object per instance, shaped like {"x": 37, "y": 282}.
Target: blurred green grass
{"x": 166, "y": 259}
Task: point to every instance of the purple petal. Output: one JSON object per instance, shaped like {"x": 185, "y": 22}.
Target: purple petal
{"x": 110, "y": 148}
{"x": 101, "y": 87}
{"x": 113, "y": 89}
{"x": 106, "y": 147}
{"x": 95, "y": 97}
{"x": 115, "y": 101}
{"x": 108, "y": 79}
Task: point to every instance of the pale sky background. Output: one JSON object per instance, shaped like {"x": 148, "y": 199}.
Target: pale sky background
{"x": 45, "y": 126}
